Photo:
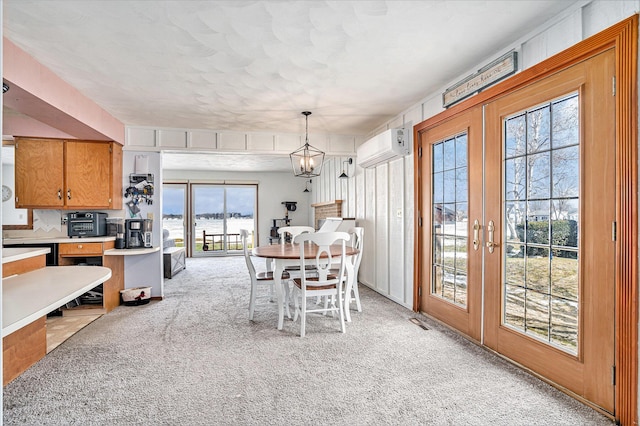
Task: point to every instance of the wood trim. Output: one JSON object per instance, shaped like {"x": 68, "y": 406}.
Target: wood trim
{"x": 24, "y": 265}
{"x": 624, "y": 38}
{"x": 627, "y": 216}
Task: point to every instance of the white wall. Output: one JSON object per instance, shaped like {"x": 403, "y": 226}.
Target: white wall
{"x": 145, "y": 270}
{"x": 273, "y": 189}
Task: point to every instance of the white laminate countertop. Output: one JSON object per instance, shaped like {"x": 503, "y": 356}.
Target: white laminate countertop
{"x": 44, "y": 240}
{"x": 130, "y": 252}
{"x": 13, "y": 254}
{"x": 29, "y": 296}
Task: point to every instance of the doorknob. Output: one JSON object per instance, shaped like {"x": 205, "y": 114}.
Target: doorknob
{"x": 476, "y": 234}
{"x": 490, "y": 244}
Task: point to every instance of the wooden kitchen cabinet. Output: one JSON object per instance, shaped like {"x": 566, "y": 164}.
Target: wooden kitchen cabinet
{"x": 78, "y": 251}
{"x": 68, "y": 174}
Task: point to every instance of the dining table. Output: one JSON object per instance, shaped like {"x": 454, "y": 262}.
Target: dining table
{"x": 286, "y": 255}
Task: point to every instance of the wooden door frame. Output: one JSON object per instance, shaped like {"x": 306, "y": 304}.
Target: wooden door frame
{"x": 623, "y": 37}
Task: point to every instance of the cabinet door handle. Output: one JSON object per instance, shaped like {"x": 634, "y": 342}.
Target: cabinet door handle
{"x": 59, "y": 194}
{"x": 79, "y": 246}
{"x": 68, "y": 194}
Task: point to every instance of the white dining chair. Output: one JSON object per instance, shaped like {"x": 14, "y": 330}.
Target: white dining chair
{"x": 324, "y": 284}
{"x": 290, "y": 232}
{"x": 356, "y": 234}
{"x": 260, "y": 277}
{"x": 357, "y": 238}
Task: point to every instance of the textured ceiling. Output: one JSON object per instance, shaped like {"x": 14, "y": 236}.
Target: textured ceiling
{"x": 255, "y": 65}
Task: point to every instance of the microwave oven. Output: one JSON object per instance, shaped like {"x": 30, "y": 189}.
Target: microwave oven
{"x": 87, "y": 224}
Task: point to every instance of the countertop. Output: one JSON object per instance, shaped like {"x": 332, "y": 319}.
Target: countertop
{"x": 29, "y": 296}
{"x": 11, "y": 254}
{"x": 130, "y": 252}
{"x": 44, "y": 240}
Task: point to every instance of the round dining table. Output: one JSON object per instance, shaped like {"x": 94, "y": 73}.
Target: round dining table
{"x": 288, "y": 254}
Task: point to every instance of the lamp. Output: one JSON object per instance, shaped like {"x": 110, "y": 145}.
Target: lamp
{"x": 344, "y": 175}
{"x": 307, "y": 160}
{"x": 306, "y": 186}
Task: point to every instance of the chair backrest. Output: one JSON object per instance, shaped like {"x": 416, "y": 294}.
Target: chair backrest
{"x": 357, "y": 236}
{"x": 322, "y": 264}
{"x": 244, "y": 236}
{"x": 293, "y": 231}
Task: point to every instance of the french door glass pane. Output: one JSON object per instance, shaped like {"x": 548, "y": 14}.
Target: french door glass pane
{"x": 450, "y": 219}
{"x": 541, "y": 211}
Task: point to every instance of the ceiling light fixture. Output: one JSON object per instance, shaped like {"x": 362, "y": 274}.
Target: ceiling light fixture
{"x": 344, "y": 175}
{"x": 307, "y": 160}
{"x": 5, "y": 88}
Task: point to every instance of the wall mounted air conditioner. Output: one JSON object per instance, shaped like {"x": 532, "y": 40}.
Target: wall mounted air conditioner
{"x": 385, "y": 147}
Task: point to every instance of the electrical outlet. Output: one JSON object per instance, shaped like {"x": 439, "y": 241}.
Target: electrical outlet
{"x": 399, "y": 213}
{"x": 150, "y": 216}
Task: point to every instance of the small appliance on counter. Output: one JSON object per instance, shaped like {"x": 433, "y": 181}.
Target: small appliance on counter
{"x": 138, "y": 233}
{"x": 87, "y": 224}
{"x": 115, "y": 227}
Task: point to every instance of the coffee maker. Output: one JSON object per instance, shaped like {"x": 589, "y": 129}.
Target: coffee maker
{"x": 138, "y": 233}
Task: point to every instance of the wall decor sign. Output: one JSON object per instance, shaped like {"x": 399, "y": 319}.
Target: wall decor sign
{"x": 502, "y": 67}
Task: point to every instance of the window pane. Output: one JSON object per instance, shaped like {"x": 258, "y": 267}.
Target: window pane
{"x": 566, "y": 173}
{"x": 461, "y": 150}
{"x": 461, "y": 184}
{"x": 541, "y": 222}
{"x": 537, "y": 319}
{"x": 450, "y": 186}
{"x": 564, "y": 323}
{"x": 564, "y": 274}
{"x": 565, "y": 122}
{"x": 450, "y": 220}
{"x": 515, "y": 215}
{"x": 514, "y": 306}
{"x": 538, "y": 176}
{"x": 438, "y": 187}
{"x": 515, "y": 265}
{"x": 462, "y": 220}
{"x": 438, "y": 159}
{"x": 538, "y": 130}
{"x": 564, "y": 223}
{"x": 449, "y": 153}
{"x": 515, "y": 136}
{"x": 537, "y": 272}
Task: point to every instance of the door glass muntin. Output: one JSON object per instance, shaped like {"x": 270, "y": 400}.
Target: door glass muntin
{"x": 541, "y": 210}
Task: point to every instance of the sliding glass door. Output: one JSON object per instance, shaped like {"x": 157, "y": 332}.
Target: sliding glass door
{"x": 219, "y": 211}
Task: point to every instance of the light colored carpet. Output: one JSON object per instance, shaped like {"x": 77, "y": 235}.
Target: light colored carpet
{"x": 195, "y": 359}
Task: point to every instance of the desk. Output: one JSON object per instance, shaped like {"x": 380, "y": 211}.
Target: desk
{"x": 289, "y": 255}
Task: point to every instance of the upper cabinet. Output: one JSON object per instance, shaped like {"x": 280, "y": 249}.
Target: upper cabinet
{"x": 68, "y": 174}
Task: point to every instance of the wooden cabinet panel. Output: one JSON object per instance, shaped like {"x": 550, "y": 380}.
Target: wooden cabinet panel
{"x": 39, "y": 173}
{"x": 23, "y": 348}
{"x": 87, "y": 174}
{"x": 79, "y": 249}
{"x": 68, "y": 174}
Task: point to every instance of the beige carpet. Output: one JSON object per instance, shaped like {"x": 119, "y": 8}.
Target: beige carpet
{"x": 195, "y": 359}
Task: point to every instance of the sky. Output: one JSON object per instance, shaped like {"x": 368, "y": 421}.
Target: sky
{"x": 209, "y": 199}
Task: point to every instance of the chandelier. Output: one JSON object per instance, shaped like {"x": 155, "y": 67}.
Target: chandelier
{"x": 307, "y": 160}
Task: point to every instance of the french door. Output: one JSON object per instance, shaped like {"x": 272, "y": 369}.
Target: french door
{"x": 519, "y": 243}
